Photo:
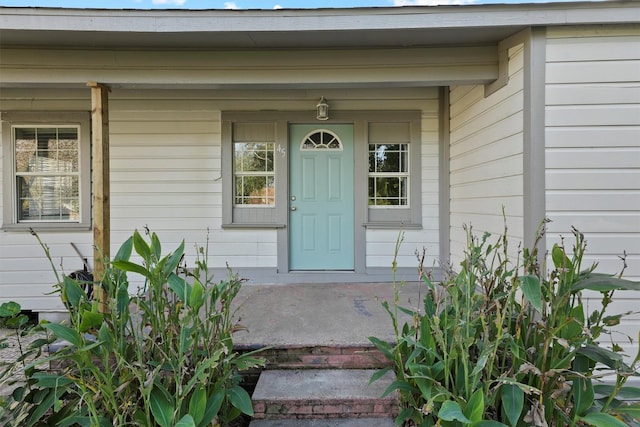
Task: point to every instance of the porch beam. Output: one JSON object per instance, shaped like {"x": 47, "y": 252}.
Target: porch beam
{"x": 101, "y": 190}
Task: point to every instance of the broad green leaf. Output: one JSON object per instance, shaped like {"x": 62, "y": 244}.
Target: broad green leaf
{"x": 625, "y": 393}
{"x": 174, "y": 260}
{"x": 124, "y": 253}
{"x": 379, "y": 374}
{"x": 632, "y": 410}
{"x": 65, "y": 333}
{"x": 575, "y": 325}
{"x": 90, "y": 320}
{"x": 214, "y": 403}
{"x": 603, "y": 283}
{"x": 451, "y": 411}
{"x": 141, "y": 246}
{"x": 475, "y": 406}
{"x": 49, "y": 398}
{"x": 132, "y": 267}
{"x": 122, "y": 301}
{"x": 8, "y": 309}
{"x": 17, "y": 322}
{"x": 180, "y": 287}
{"x": 240, "y": 399}
{"x": 482, "y": 361}
{"x": 161, "y": 408}
{"x": 602, "y": 355}
{"x": 560, "y": 260}
{"x": 532, "y": 291}
{"x": 245, "y": 361}
{"x": 383, "y": 346}
{"x": 47, "y": 380}
{"x": 186, "y": 421}
{"x": 582, "y": 395}
{"x": 488, "y": 423}
{"x": 198, "y": 404}
{"x": 72, "y": 292}
{"x": 512, "y": 402}
{"x": 582, "y": 388}
{"x": 155, "y": 247}
{"x": 600, "y": 419}
{"x": 400, "y": 385}
{"x": 105, "y": 335}
{"x": 195, "y": 299}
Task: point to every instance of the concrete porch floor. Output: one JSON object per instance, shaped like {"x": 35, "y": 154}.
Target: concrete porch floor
{"x": 323, "y": 314}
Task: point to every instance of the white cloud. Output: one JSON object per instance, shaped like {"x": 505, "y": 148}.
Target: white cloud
{"x": 173, "y": 2}
{"x": 230, "y": 5}
{"x": 277, "y": 6}
{"x": 431, "y": 2}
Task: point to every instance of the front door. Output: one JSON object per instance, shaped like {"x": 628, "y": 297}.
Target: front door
{"x": 321, "y": 219}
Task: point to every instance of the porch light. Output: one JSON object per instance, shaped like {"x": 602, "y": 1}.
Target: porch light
{"x": 323, "y": 109}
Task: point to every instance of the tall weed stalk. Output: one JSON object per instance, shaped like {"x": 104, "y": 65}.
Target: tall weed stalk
{"x": 503, "y": 343}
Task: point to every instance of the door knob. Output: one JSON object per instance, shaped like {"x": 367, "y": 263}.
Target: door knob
{"x": 293, "y": 208}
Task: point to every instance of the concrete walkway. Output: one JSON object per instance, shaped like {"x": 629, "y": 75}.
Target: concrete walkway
{"x": 330, "y": 314}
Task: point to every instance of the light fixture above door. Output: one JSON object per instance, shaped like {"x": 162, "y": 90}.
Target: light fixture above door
{"x": 323, "y": 109}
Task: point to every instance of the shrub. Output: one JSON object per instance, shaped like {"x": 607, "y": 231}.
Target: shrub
{"x": 162, "y": 357}
{"x": 501, "y": 343}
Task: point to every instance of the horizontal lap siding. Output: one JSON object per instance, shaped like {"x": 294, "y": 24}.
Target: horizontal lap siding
{"x": 593, "y": 148}
{"x": 165, "y": 175}
{"x": 485, "y": 159}
{"x": 381, "y": 243}
{"x": 26, "y": 276}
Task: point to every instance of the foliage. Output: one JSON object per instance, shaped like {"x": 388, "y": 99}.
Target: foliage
{"x": 502, "y": 344}
{"x": 162, "y": 357}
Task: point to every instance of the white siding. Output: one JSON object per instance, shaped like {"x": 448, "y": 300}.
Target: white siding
{"x": 165, "y": 175}
{"x": 593, "y": 149}
{"x": 381, "y": 243}
{"x": 486, "y": 159}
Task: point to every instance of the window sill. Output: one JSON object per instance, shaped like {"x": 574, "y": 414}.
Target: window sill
{"x": 249, "y": 226}
{"x": 392, "y": 226}
{"x": 46, "y": 227}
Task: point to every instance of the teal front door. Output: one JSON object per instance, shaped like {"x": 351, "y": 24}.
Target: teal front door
{"x": 321, "y": 219}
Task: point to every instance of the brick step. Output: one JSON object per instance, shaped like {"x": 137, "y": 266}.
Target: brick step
{"x": 322, "y": 394}
{"x": 342, "y": 422}
{"x": 324, "y": 357}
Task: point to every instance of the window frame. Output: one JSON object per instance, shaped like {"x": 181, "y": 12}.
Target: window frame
{"x": 13, "y": 119}
{"x": 253, "y": 216}
{"x": 396, "y": 216}
{"x": 366, "y": 217}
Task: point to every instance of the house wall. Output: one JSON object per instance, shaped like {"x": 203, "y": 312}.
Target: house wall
{"x": 165, "y": 175}
{"x": 593, "y": 149}
{"x": 486, "y": 159}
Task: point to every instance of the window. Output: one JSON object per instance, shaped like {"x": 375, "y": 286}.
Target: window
{"x": 388, "y": 174}
{"x": 253, "y": 170}
{"x": 393, "y": 176}
{"x": 254, "y": 174}
{"x": 46, "y": 170}
{"x": 321, "y": 140}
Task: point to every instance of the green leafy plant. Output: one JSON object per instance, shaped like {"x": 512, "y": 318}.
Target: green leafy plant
{"x": 501, "y": 343}
{"x": 162, "y": 357}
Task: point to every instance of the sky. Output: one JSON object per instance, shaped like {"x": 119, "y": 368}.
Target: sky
{"x": 243, "y": 4}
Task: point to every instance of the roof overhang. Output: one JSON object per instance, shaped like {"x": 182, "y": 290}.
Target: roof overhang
{"x": 297, "y": 28}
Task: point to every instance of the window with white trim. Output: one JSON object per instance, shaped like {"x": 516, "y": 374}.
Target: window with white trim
{"x": 46, "y": 170}
{"x": 388, "y": 174}
{"x": 254, "y": 173}
{"x": 252, "y": 165}
{"x": 393, "y": 175}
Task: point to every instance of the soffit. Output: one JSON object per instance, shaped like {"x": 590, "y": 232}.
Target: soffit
{"x": 296, "y": 28}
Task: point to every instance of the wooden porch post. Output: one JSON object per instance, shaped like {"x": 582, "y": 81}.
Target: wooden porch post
{"x": 100, "y": 190}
